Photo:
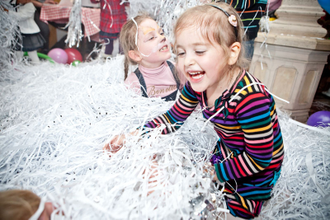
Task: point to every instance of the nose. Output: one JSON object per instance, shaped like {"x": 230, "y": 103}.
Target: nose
{"x": 164, "y": 38}
{"x": 189, "y": 60}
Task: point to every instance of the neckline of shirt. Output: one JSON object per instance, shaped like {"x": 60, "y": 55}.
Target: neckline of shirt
{"x": 230, "y": 90}
{"x": 154, "y": 71}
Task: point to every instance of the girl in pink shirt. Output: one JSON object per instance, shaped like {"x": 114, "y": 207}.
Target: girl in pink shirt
{"x": 145, "y": 45}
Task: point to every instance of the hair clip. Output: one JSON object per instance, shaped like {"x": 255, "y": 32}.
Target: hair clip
{"x": 232, "y": 20}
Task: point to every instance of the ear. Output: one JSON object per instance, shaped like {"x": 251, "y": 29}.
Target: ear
{"x": 235, "y": 50}
{"x": 134, "y": 56}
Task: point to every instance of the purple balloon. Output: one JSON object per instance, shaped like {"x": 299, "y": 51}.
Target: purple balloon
{"x": 58, "y": 55}
{"x": 321, "y": 118}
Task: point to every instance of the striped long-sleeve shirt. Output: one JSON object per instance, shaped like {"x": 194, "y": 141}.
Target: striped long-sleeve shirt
{"x": 250, "y": 149}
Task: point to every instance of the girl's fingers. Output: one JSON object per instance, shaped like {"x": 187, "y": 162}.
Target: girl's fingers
{"x": 117, "y": 141}
{"x": 106, "y": 147}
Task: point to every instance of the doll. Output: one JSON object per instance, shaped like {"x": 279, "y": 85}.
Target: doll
{"x": 31, "y": 37}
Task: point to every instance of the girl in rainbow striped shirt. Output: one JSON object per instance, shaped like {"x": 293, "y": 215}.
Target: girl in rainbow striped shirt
{"x": 249, "y": 153}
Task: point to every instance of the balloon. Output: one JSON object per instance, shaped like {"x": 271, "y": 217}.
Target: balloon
{"x": 325, "y": 4}
{"x": 321, "y": 118}
{"x": 58, "y": 55}
{"x": 73, "y": 54}
{"x": 42, "y": 56}
{"x": 75, "y": 62}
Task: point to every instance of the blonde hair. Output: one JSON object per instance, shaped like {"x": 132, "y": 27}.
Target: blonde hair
{"x": 18, "y": 204}
{"x": 127, "y": 39}
{"x": 214, "y": 26}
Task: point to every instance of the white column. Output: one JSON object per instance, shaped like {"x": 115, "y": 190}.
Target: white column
{"x": 291, "y": 57}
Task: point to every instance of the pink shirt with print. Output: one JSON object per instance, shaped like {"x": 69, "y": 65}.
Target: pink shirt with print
{"x": 159, "y": 81}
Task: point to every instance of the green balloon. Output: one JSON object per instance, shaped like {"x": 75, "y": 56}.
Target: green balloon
{"x": 42, "y": 56}
{"x": 75, "y": 62}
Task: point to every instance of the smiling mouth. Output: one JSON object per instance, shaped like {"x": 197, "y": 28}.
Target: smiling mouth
{"x": 163, "y": 48}
{"x": 196, "y": 75}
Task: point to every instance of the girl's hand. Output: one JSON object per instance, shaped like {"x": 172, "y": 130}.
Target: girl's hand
{"x": 152, "y": 174}
{"x": 153, "y": 177}
{"x": 209, "y": 168}
{"x": 117, "y": 142}
{"x": 215, "y": 178}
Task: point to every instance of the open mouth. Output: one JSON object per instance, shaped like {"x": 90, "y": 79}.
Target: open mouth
{"x": 163, "y": 48}
{"x": 196, "y": 75}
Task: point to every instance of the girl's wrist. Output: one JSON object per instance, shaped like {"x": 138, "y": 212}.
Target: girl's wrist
{"x": 136, "y": 132}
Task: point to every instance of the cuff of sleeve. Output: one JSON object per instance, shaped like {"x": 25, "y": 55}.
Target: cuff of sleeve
{"x": 217, "y": 171}
{"x": 144, "y": 131}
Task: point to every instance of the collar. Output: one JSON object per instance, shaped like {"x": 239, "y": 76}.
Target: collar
{"x": 41, "y": 208}
{"x": 153, "y": 71}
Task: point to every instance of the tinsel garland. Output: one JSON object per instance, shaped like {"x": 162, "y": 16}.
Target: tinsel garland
{"x": 164, "y": 12}
{"x": 74, "y": 35}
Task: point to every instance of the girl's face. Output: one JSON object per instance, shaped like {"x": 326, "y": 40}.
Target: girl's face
{"x": 153, "y": 46}
{"x": 201, "y": 62}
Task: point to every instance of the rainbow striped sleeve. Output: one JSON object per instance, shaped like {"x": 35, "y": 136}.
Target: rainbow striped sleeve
{"x": 180, "y": 111}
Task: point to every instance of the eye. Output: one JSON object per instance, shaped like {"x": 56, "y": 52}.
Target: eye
{"x": 180, "y": 54}
{"x": 151, "y": 38}
{"x": 200, "y": 52}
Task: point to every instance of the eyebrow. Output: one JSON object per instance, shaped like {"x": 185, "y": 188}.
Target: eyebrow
{"x": 150, "y": 29}
{"x": 194, "y": 44}
{"x": 147, "y": 30}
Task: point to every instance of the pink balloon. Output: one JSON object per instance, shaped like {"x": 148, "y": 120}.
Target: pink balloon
{"x": 58, "y": 55}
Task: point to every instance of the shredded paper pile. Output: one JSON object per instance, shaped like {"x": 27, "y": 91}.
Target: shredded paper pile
{"x": 55, "y": 120}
